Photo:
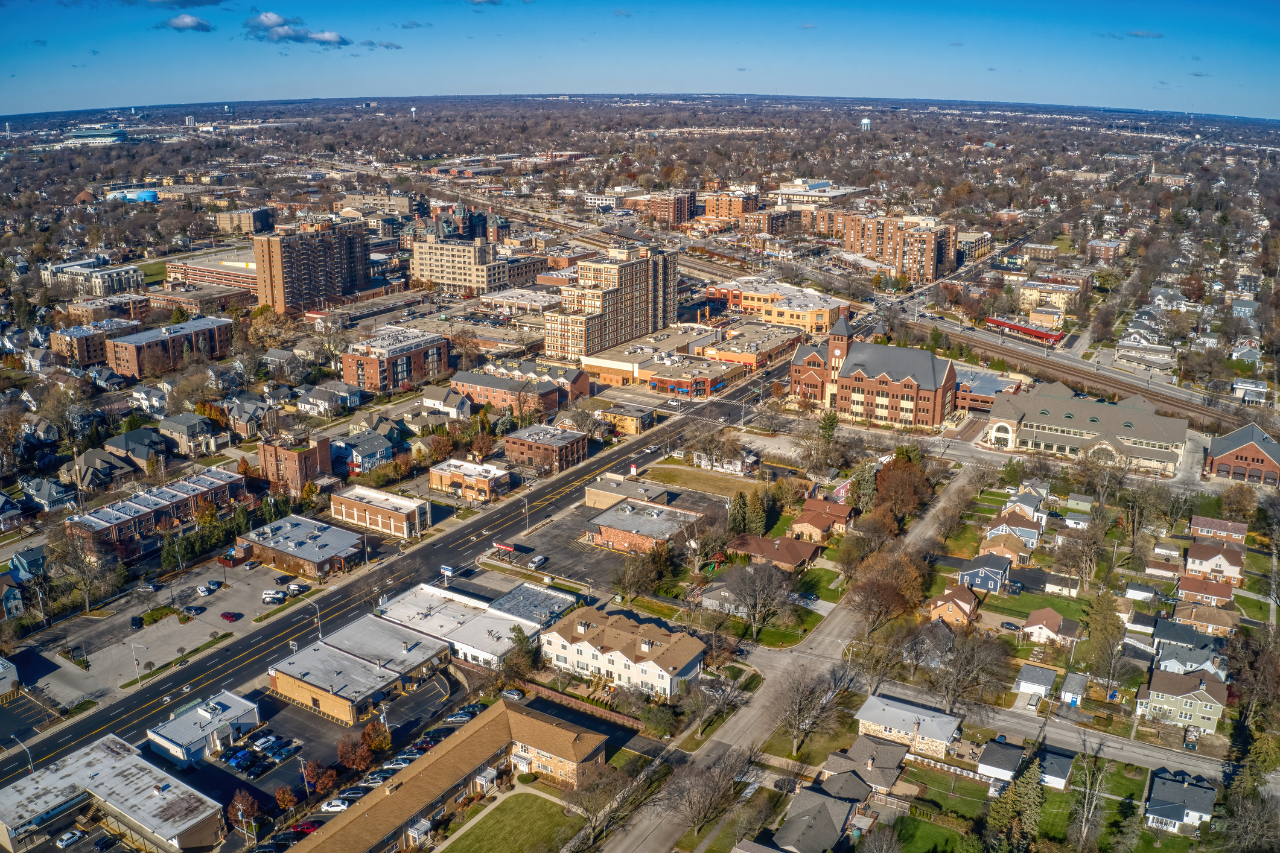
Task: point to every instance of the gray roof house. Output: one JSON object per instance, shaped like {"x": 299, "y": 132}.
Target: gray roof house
{"x": 924, "y": 731}
{"x": 874, "y": 762}
{"x": 1179, "y": 799}
{"x": 445, "y": 401}
{"x": 1055, "y": 768}
{"x": 815, "y": 822}
{"x": 190, "y": 434}
{"x": 1000, "y": 760}
{"x": 1183, "y": 660}
{"x": 1074, "y": 685}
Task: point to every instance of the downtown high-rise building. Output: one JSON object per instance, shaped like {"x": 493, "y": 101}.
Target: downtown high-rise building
{"x": 312, "y": 266}
{"x": 617, "y": 299}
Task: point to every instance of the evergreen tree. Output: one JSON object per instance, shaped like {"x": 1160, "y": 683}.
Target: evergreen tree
{"x": 827, "y": 425}
{"x": 1029, "y": 797}
{"x": 738, "y": 514}
{"x": 240, "y": 523}
{"x": 757, "y": 520}
{"x": 866, "y": 483}
{"x": 1001, "y": 814}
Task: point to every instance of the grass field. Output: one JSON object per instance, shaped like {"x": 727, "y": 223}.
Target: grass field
{"x": 527, "y": 817}
{"x": 1023, "y": 605}
{"x": 699, "y": 480}
{"x": 816, "y": 748}
{"x": 918, "y": 836}
{"x": 949, "y": 793}
{"x": 781, "y": 527}
{"x": 1259, "y": 611}
{"x": 818, "y": 582}
{"x": 965, "y": 543}
{"x": 1120, "y": 785}
{"x": 1056, "y": 814}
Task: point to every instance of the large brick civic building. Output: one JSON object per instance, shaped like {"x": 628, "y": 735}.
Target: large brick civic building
{"x": 896, "y": 385}
{"x": 1248, "y": 455}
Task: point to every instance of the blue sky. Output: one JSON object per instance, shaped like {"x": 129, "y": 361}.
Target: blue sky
{"x": 77, "y": 54}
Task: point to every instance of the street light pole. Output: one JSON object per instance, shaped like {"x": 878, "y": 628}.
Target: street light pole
{"x": 319, "y": 632}
{"x": 526, "y": 513}
{"x": 30, "y": 767}
{"x": 137, "y": 671}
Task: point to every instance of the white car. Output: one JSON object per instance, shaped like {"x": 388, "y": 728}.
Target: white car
{"x": 213, "y": 584}
{"x": 396, "y": 764}
{"x": 335, "y": 806}
{"x": 66, "y": 840}
{"x": 202, "y": 591}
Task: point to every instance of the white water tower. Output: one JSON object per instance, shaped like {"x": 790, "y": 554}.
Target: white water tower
{"x": 414, "y": 110}
{"x": 866, "y": 125}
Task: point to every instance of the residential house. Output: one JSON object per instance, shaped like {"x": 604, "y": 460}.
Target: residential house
{"x": 105, "y": 378}
{"x": 874, "y": 762}
{"x": 792, "y": 555}
{"x": 1080, "y": 503}
{"x": 1208, "y": 592}
{"x": 394, "y": 431}
{"x": 1075, "y": 686}
{"x": 190, "y": 434}
{"x": 1163, "y": 566}
{"x": 96, "y": 469}
{"x": 821, "y": 519}
{"x": 1047, "y": 625}
{"x": 283, "y": 363}
{"x": 29, "y": 561}
{"x": 986, "y": 573}
{"x": 925, "y": 731}
{"x": 1217, "y": 529}
{"x": 1244, "y": 308}
{"x": 647, "y": 655}
{"x": 423, "y": 423}
{"x": 718, "y": 597}
{"x": 1184, "y": 661}
{"x": 1140, "y": 592}
{"x": 1170, "y": 633}
{"x": 245, "y": 414}
{"x": 277, "y": 396}
{"x": 1027, "y": 504}
{"x": 445, "y": 401}
{"x": 48, "y": 495}
{"x": 1000, "y": 760}
{"x": 815, "y": 822}
{"x": 1036, "y": 680}
{"x": 956, "y": 606}
{"x": 931, "y": 645}
{"x": 1055, "y": 768}
{"x": 1019, "y": 525}
{"x": 38, "y": 360}
{"x": 1009, "y": 546}
{"x": 742, "y": 463}
{"x": 150, "y": 400}
{"x": 320, "y": 403}
{"x": 362, "y": 452}
{"x": 1214, "y": 621}
{"x": 1215, "y": 562}
{"x": 1186, "y": 700}
{"x": 1076, "y": 521}
{"x": 348, "y": 395}
{"x": 39, "y": 429}
{"x": 10, "y": 597}
{"x": 1179, "y": 802}
{"x": 1061, "y": 585}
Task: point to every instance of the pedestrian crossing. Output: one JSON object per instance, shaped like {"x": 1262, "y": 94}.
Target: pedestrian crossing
{"x": 575, "y": 544}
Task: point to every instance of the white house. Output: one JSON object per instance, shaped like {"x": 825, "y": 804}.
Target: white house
{"x": 1073, "y": 688}
{"x": 1179, "y": 800}
{"x": 1055, "y": 769}
{"x": 446, "y": 401}
{"x": 1000, "y": 760}
{"x": 1037, "y": 680}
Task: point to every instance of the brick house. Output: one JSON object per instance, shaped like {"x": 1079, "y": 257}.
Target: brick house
{"x": 1216, "y": 528}
{"x": 1216, "y": 563}
{"x": 923, "y": 730}
{"x": 634, "y": 526}
{"x": 1203, "y": 591}
{"x": 518, "y": 395}
{"x": 790, "y": 555}
{"x": 956, "y": 606}
{"x": 292, "y": 466}
{"x": 1214, "y": 621}
{"x": 821, "y": 519}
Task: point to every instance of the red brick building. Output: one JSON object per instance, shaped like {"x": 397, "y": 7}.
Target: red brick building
{"x": 1105, "y": 252}
{"x": 394, "y": 356}
{"x": 546, "y": 448}
{"x": 673, "y": 207}
{"x": 731, "y": 205}
{"x": 157, "y": 351}
{"x": 922, "y": 248}
{"x": 1247, "y": 455}
{"x": 291, "y": 466}
{"x": 771, "y": 222}
{"x": 518, "y": 395}
{"x": 635, "y": 527}
{"x": 870, "y": 382}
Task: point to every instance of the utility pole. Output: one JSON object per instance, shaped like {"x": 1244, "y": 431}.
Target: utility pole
{"x": 30, "y": 767}
{"x": 137, "y": 671}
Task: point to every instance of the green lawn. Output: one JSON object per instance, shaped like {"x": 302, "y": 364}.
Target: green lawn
{"x": 781, "y": 528}
{"x": 692, "y": 742}
{"x": 620, "y": 758}
{"x": 918, "y": 836}
{"x": 1260, "y": 563}
{"x": 1260, "y": 586}
{"x": 1023, "y": 605}
{"x": 1168, "y": 844}
{"x": 816, "y": 748}
{"x": 780, "y": 637}
{"x": 753, "y": 682}
{"x": 1120, "y": 785}
{"x": 527, "y": 817}
{"x": 818, "y": 582}
{"x": 965, "y": 543}
{"x": 1259, "y": 611}
{"x": 690, "y": 841}
{"x": 949, "y": 793}
{"x": 1056, "y": 814}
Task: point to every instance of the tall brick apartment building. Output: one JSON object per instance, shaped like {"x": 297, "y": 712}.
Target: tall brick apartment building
{"x": 731, "y": 205}
{"x": 922, "y": 248}
{"x": 393, "y": 356}
{"x": 291, "y": 466}
{"x": 893, "y": 385}
{"x": 546, "y": 447}
{"x": 771, "y": 222}
{"x": 86, "y": 345}
{"x": 673, "y": 207}
{"x": 161, "y": 350}
{"x": 617, "y": 299}
{"x": 308, "y": 268}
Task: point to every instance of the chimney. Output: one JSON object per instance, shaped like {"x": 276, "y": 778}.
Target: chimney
{"x": 871, "y": 763}
{"x": 405, "y": 646}
{"x": 1202, "y": 684}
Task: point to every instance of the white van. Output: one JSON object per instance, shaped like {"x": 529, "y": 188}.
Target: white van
{"x": 272, "y": 596}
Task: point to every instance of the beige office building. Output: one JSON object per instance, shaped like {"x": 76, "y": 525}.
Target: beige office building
{"x": 617, "y": 299}
{"x": 466, "y": 268}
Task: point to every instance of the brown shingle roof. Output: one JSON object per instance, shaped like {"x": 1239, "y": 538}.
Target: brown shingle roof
{"x": 1177, "y": 684}
{"x": 1203, "y": 614}
{"x": 1007, "y": 541}
{"x": 1230, "y": 556}
{"x": 1234, "y": 528}
{"x": 615, "y": 632}
{"x": 1200, "y": 586}
{"x": 788, "y": 552}
{"x": 415, "y": 788}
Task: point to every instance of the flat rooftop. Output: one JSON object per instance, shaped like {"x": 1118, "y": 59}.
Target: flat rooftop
{"x": 195, "y": 723}
{"x": 394, "y": 340}
{"x": 550, "y": 436}
{"x": 520, "y": 295}
{"x": 243, "y": 260}
{"x": 166, "y": 332}
{"x": 115, "y": 773}
{"x": 688, "y": 367}
{"x": 381, "y": 499}
{"x": 982, "y": 382}
{"x": 100, "y": 326}
{"x": 645, "y": 519}
{"x": 469, "y": 469}
{"x": 672, "y": 340}
{"x": 199, "y": 291}
{"x": 433, "y": 612}
{"x": 306, "y": 539}
{"x": 531, "y": 603}
{"x": 751, "y": 336}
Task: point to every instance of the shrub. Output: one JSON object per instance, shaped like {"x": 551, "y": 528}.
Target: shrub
{"x": 526, "y": 778}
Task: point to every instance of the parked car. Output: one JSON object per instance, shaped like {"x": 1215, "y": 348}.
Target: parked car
{"x": 786, "y": 785}
{"x": 202, "y": 591}
{"x": 135, "y": 622}
{"x": 68, "y": 838}
{"x": 149, "y": 587}
{"x": 258, "y": 770}
{"x": 192, "y": 611}
{"x": 252, "y": 564}
{"x": 472, "y": 709}
{"x": 376, "y": 778}
{"x": 334, "y": 806}
{"x": 513, "y": 694}
{"x": 353, "y": 793}
{"x": 396, "y": 764}
{"x": 266, "y": 741}
{"x": 537, "y": 562}
{"x": 307, "y": 827}
{"x": 271, "y": 596}
{"x": 1009, "y": 626}
{"x": 296, "y": 588}
{"x": 288, "y": 752}
{"x": 106, "y": 842}
{"x": 288, "y": 838}
{"x": 213, "y": 585}
{"x": 458, "y": 719}
{"x": 437, "y": 735}
{"x": 228, "y": 616}
{"x": 284, "y": 579}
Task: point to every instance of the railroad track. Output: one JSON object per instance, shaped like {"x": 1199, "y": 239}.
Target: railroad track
{"x": 708, "y": 269}
{"x": 1090, "y": 380}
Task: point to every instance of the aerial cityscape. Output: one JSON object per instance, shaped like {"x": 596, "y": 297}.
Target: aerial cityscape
{"x": 476, "y": 452}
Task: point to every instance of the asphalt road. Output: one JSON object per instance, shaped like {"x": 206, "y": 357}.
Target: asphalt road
{"x": 248, "y": 657}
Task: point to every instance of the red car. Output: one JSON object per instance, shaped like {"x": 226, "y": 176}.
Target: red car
{"x": 230, "y": 617}
{"x": 307, "y": 828}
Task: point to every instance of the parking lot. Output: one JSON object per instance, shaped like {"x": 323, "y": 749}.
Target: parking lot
{"x": 19, "y": 716}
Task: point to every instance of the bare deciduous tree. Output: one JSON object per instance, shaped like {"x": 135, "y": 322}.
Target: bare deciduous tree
{"x": 804, "y": 704}
{"x": 697, "y": 794}
{"x": 761, "y": 589}
{"x": 76, "y": 555}
{"x": 969, "y": 669}
{"x": 1090, "y": 779}
{"x": 596, "y": 795}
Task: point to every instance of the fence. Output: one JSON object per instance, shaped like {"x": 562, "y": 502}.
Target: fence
{"x": 959, "y": 771}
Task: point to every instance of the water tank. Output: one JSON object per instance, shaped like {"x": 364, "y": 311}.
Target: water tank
{"x": 148, "y": 195}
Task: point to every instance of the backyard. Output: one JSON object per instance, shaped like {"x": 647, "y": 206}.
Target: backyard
{"x": 947, "y": 792}
{"x": 534, "y": 820}
{"x": 918, "y": 836}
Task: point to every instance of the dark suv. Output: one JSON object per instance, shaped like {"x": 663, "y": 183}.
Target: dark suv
{"x": 135, "y": 622}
